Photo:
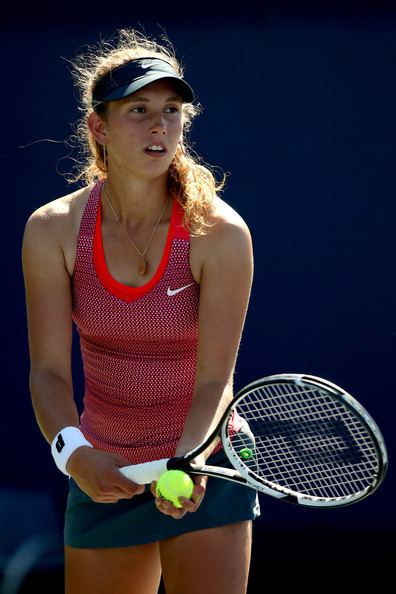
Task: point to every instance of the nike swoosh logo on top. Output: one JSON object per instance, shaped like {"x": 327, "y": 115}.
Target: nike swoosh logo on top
{"x": 170, "y": 292}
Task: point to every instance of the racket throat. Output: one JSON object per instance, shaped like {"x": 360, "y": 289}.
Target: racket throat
{"x": 226, "y": 473}
{"x": 229, "y": 474}
{"x": 179, "y": 463}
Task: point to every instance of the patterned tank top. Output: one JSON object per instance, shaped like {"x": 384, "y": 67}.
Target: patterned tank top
{"x": 138, "y": 344}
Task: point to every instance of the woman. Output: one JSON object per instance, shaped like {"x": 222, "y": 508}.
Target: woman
{"x": 155, "y": 270}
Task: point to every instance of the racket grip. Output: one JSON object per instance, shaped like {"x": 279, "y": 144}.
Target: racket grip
{"x": 145, "y": 473}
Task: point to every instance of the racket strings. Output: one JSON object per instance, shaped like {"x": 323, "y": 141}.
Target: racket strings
{"x": 307, "y": 441}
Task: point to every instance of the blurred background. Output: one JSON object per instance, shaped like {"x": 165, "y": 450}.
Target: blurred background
{"x": 299, "y": 112}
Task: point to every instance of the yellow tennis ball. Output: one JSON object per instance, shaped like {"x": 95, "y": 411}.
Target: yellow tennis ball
{"x": 174, "y": 484}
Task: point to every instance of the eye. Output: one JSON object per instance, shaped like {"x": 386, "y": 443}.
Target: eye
{"x": 139, "y": 109}
{"x": 172, "y": 109}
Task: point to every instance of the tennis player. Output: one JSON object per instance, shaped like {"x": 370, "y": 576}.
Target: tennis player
{"x": 155, "y": 270}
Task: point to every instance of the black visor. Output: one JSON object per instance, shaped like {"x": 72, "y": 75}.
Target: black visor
{"x": 134, "y": 75}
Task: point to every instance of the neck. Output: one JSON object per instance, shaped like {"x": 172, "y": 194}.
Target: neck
{"x": 137, "y": 200}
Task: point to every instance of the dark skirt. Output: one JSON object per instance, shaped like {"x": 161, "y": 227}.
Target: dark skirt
{"x": 135, "y": 521}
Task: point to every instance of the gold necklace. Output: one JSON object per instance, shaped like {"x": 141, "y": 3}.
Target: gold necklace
{"x": 142, "y": 266}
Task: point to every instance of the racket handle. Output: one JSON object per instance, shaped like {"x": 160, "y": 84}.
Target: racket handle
{"x": 143, "y": 474}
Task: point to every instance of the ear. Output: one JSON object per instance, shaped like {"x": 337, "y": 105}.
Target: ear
{"x": 97, "y": 127}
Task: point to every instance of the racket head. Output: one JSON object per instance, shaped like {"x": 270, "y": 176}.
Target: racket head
{"x": 311, "y": 442}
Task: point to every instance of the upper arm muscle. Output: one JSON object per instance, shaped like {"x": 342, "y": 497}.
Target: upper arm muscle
{"x": 225, "y": 289}
{"x": 48, "y": 297}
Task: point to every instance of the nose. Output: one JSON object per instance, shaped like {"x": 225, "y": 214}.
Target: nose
{"x": 159, "y": 125}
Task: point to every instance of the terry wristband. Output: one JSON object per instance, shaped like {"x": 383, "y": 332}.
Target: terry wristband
{"x": 67, "y": 441}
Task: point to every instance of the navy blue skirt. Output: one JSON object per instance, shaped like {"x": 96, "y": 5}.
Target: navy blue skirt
{"x": 136, "y": 521}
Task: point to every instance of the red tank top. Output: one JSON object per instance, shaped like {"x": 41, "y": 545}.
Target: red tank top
{"x": 138, "y": 345}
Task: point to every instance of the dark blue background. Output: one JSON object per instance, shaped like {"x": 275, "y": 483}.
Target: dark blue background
{"x": 299, "y": 109}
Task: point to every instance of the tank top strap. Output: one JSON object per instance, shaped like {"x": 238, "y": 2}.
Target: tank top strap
{"x": 179, "y": 230}
{"x": 86, "y": 234}
{"x": 88, "y": 219}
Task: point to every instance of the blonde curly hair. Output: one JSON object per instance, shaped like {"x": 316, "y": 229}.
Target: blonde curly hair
{"x": 190, "y": 181}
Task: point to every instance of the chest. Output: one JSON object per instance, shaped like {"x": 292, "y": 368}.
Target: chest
{"x": 126, "y": 255}
{"x": 164, "y": 312}
{"x": 121, "y": 256}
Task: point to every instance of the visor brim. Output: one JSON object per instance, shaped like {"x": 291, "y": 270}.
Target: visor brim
{"x": 183, "y": 89}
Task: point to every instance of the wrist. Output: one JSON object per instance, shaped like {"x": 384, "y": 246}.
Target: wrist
{"x": 65, "y": 443}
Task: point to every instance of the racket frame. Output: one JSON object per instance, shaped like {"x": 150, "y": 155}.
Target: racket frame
{"x": 275, "y": 490}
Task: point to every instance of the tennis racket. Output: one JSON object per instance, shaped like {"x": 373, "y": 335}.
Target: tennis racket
{"x": 303, "y": 440}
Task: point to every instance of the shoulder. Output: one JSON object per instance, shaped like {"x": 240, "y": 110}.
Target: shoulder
{"x": 227, "y": 244}
{"x": 227, "y": 231}
{"x": 227, "y": 223}
{"x": 56, "y": 218}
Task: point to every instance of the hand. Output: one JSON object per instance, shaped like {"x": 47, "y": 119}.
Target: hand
{"x": 188, "y": 505}
{"x": 97, "y": 474}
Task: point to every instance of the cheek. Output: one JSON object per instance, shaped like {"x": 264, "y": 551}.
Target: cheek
{"x": 125, "y": 138}
{"x": 176, "y": 129}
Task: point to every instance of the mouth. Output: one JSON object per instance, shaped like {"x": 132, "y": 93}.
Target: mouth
{"x": 155, "y": 150}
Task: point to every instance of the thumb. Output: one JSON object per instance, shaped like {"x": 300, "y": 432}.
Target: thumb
{"x": 124, "y": 481}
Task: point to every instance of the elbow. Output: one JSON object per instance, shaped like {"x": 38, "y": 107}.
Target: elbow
{"x": 41, "y": 378}
{"x": 222, "y": 388}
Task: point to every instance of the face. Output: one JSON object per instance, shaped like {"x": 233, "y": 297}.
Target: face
{"x": 143, "y": 130}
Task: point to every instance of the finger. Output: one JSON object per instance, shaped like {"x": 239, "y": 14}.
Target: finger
{"x": 131, "y": 491}
{"x": 113, "y": 491}
{"x": 129, "y": 486}
{"x": 153, "y": 488}
{"x": 104, "y": 499}
{"x": 189, "y": 505}
{"x": 197, "y": 500}
{"x": 122, "y": 494}
{"x": 167, "y": 508}
{"x": 199, "y": 491}
{"x": 201, "y": 480}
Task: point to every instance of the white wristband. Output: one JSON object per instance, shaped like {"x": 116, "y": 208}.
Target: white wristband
{"x": 67, "y": 441}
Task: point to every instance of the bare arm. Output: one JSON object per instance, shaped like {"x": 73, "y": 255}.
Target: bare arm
{"x": 48, "y": 303}
{"x": 226, "y": 280}
{"x": 49, "y": 313}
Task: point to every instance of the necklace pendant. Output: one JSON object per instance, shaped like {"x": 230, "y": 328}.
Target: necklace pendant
{"x": 142, "y": 268}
